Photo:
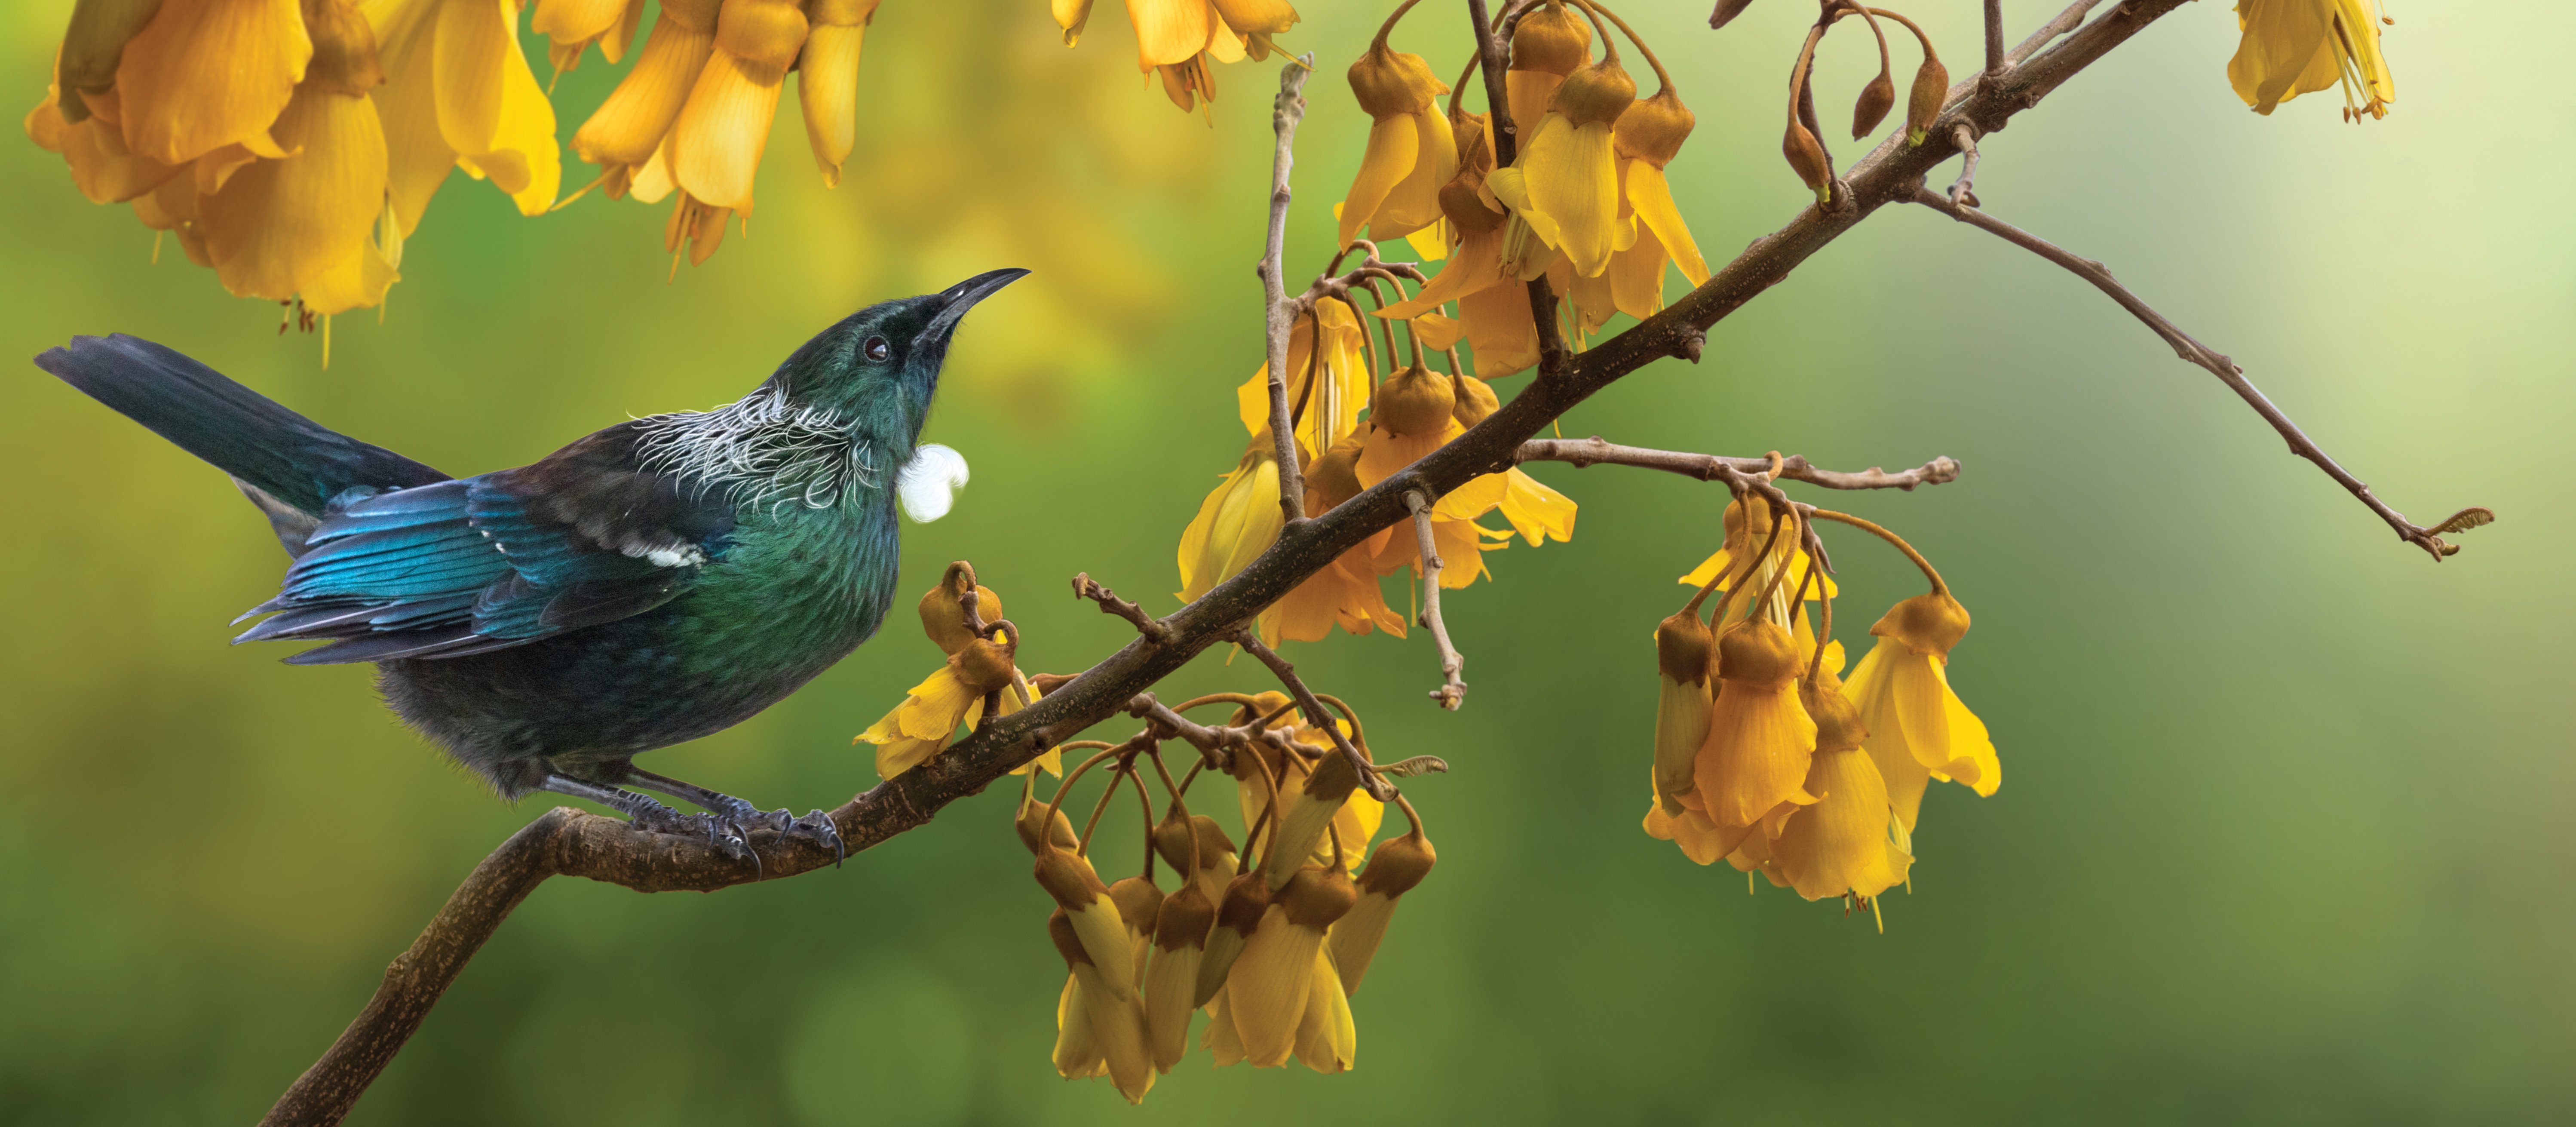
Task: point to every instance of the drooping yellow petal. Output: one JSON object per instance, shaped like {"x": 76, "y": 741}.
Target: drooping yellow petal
{"x": 1168, "y": 31}
{"x": 1841, "y": 844}
{"x": 575, "y": 21}
{"x": 1394, "y": 145}
{"x": 1239, "y": 520}
{"x": 1327, "y": 1039}
{"x": 207, "y": 73}
{"x": 1413, "y": 202}
{"x": 630, "y": 125}
{"x": 490, "y": 109}
{"x": 279, "y": 226}
{"x": 2281, "y": 39}
{"x": 1570, "y": 180}
{"x": 1652, "y": 196}
{"x": 827, "y": 88}
{"x": 717, "y": 141}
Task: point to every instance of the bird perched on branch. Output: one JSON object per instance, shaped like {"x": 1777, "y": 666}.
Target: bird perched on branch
{"x": 657, "y": 581}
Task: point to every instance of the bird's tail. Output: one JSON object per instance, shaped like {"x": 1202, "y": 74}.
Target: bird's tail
{"x": 266, "y": 447}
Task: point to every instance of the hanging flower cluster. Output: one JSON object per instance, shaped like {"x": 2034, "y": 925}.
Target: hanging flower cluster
{"x": 693, "y": 116}
{"x": 291, "y": 145}
{"x": 1271, "y": 940}
{"x": 1766, "y": 757}
{"x": 1181, "y": 39}
{"x": 964, "y": 618}
{"x": 1411, "y": 412}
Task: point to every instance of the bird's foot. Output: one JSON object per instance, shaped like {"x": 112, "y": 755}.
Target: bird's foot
{"x": 644, "y": 813}
{"x": 739, "y": 818}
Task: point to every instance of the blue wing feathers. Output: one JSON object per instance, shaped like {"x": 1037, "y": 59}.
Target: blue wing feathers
{"x": 484, "y": 563}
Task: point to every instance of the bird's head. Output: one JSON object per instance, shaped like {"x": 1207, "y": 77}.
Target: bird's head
{"x": 878, "y": 367}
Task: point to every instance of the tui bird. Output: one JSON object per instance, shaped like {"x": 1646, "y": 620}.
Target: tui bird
{"x": 657, "y": 581}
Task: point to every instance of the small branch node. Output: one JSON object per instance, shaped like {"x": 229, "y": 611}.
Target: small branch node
{"x": 1086, "y": 587}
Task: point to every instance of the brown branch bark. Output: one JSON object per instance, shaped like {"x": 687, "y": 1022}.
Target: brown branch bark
{"x": 569, "y": 843}
{"x": 1316, "y": 713}
{"x": 1452, "y": 691}
{"x": 1278, "y": 317}
{"x": 2197, "y": 353}
{"x": 1581, "y": 452}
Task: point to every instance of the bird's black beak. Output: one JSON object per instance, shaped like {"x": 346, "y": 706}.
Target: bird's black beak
{"x": 959, "y": 298}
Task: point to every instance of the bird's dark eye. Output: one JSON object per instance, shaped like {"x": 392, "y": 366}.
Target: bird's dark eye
{"x": 877, "y": 349}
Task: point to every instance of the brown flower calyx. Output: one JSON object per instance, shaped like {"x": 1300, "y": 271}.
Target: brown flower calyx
{"x": 1653, "y": 129}
{"x": 1476, "y": 400}
{"x": 1552, "y": 39}
{"x": 1596, "y": 93}
{"x": 1927, "y": 624}
{"x": 1871, "y": 108}
{"x": 1685, "y": 650}
{"x": 1317, "y": 896}
{"x": 1184, "y": 919}
{"x": 1414, "y": 401}
{"x": 943, "y": 608}
{"x": 1398, "y": 866}
{"x": 1388, "y": 83}
{"x": 1757, "y": 651}
{"x": 1069, "y": 879}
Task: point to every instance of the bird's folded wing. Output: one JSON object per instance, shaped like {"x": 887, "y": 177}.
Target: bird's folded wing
{"x": 483, "y": 563}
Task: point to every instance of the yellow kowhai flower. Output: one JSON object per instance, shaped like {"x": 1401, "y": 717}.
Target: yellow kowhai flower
{"x": 1325, "y": 389}
{"x": 1315, "y": 813}
{"x": 1094, "y": 1005}
{"x": 923, "y": 725}
{"x": 298, "y": 226}
{"x": 827, "y": 80}
{"x": 1547, "y": 45}
{"x": 1919, "y": 730}
{"x": 1415, "y": 415}
{"x": 1171, "y": 980}
{"x": 571, "y": 26}
{"x": 1270, "y": 985}
{"x": 1345, "y": 592}
{"x": 1239, "y": 520}
{"x": 1751, "y": 769}
{"x": 1395, "y": 869}
{"x": 1493, "y": 308}
{"x": 199, "y": 75}
{"x": 1411, "y": 152}
{"x": 1842, "y": 844}
{"x": 1535, "y": 511}
{"x": 1564, "y": 188}
{"x": 2294, "y": 47}
{"x": 1181, "y": 38}
{"x": 1646, "y": 139}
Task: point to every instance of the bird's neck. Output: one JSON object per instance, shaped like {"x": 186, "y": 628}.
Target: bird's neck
{"x": 769, "y": 451}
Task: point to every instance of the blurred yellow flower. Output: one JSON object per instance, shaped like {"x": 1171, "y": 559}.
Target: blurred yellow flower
{"x": 1182, "y": 38}
{"x": 458, "y": 94}
{"x": 571, "y": 26}
{"x": 2294, "y": 47}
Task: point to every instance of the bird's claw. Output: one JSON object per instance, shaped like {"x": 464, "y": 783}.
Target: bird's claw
{"x": 818, "y": 826}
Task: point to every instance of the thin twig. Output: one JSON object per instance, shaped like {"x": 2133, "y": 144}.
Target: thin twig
{"x": 1278, "y": 318}
{"x": 1963, "y": 191}
{"x": 2194, "y": 351}
{"x": 1452, "y": 691}
{"x": 2058, "y": 25}
{"x": 1377, "y": 786}
{"x": 1593, "y": 451}
{"x": 1995, "y": 58}
{"x": 1084, "y": 586}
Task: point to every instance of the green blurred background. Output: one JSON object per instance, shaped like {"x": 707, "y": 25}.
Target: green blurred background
{"x": 2285, "y": 821}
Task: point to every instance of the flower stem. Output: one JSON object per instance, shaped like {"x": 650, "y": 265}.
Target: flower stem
{"x": 1663, "y": 80}
{"x": 1938, "y": 587}
{"x": 1384, "y": 29}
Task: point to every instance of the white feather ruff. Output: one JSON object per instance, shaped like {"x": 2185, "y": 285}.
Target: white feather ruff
{"x": 762, "y": 451}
